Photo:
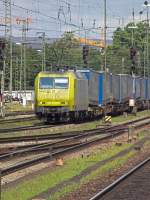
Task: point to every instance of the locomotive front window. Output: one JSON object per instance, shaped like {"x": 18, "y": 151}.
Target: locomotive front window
{"x": 61, "y": 83}
{"x": 46, "y": 83}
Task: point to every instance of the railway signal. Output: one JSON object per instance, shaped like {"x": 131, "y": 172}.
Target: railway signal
{"x": 85, "y": 54}
{"x": 133, "y": 53}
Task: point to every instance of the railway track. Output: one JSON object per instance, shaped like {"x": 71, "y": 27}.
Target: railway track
{"x": 132, "y": 185}
{"x": 36, "y": 127}
{"x": 51, "y": 136}
{"x": 16, "y": 113}
{"x": 62, "y": 150}
{"x": 67, "y": 134}
{"x": 24, "y": 128}
{"x": 62, "y": 138}
{"x": 52, "y": 155}
{"x": 70, "y": 141}
{"x": 14, "y": 120}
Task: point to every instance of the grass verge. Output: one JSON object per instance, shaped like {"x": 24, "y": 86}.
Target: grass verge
{"x": 97, "y": 173}
{"x": 72, "y": 167}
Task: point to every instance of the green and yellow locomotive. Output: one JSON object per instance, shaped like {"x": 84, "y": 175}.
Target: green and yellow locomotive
{"x": 61, "y": 95}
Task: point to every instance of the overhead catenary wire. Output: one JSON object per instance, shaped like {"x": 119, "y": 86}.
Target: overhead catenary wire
{"x": 50, "y": 19}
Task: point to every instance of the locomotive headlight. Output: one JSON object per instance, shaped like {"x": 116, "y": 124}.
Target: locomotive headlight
{"x": 64, "y": 102}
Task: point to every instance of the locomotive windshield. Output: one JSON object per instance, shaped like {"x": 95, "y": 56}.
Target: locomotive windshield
{"x": 46, "y": 83}
{"x": 61, "y": 83}
{"x": 53, "y": 83}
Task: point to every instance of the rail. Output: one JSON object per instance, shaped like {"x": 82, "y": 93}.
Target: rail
{"x": 112, "y": 132}
{"x": 119, "y": 180}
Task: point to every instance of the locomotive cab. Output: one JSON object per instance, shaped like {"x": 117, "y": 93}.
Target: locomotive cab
{"x": 57, "y": 95}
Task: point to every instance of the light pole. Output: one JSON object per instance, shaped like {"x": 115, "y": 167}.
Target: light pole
{"x": 105, "y": 33}
{"x": 144, "y": 44}
{"x": 133, "y": 27}
{"x": 146, "y": 55}
{"x": 16, "y": 74}
{"x": 123, "y": 65}
{"x": 41, "y": 55}
{"x": 132, "y": 38}
{"x": 21, "y": 67}
{"x": 147, "y": 40}
{"x": 43, "y": 50}
{"x": 105, "y": 55}
{"x": 144, "y": 60}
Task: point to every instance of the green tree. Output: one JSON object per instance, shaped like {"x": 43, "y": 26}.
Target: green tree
{"x": 67, "y": 51}
{"x": 120, "y": 49}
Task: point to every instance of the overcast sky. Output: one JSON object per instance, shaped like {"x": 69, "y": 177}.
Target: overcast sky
{"x": 56, "y": 16}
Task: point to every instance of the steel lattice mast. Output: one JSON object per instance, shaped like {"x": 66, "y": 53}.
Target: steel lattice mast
{"x": 8, "y": 51}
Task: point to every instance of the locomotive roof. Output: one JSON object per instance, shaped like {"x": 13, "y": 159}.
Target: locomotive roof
{"x": 78, "y": 74}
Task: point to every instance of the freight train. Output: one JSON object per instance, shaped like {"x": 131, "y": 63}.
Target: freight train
{"x": 85, "y": 94}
